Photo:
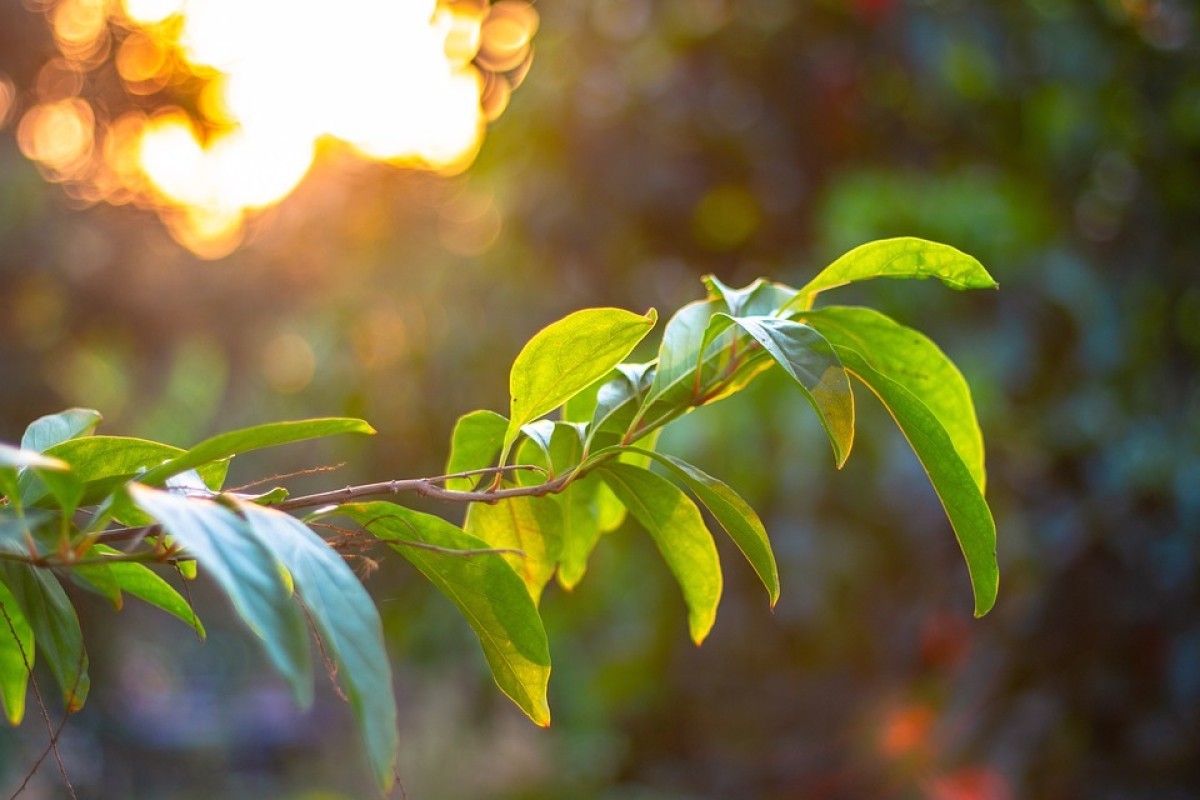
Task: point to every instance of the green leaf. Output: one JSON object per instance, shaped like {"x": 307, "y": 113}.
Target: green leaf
{"x": 475, "y": 444}
{"x": 912, "y": 360}
{"x": 246, "y": 569}
{"x": 98, "y": 578}
{"x": 952, "y": 480}
{"x": 16, "y": 656}
{"x": 680, "y": 350}
{"x": 581, "y": 526}
{"x": 532, "y": 525}
{"x": 568, "y": 356}
{"x": 618, "y": 400}
{"x": 732, "y": 512}
{"x": 904, "y": 257}
{"x": 148, "y": 586}
{"x": 103, "y": 463}
{"x": 225, "y": 445}
{"x": 55, "y": 627}
{"x": 759, "y": 299}
{"x": 812, "y": 363}
{"x": 489, "y": 594}
{"x": 676, "y": 526}
{"x": 45, "y": 432}
{"x": 347, "y": 622}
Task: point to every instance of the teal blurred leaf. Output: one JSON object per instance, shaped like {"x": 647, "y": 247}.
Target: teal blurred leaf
{"x": 348, "y": 623}
{"x": 246, "y": 568}
{"x": 45, "y": 432}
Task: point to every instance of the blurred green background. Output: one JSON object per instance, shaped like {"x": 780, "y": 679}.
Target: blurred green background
{"x": 653, "y": 142}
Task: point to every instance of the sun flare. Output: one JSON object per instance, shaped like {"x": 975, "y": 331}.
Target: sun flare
{"x": 223, "y": 105}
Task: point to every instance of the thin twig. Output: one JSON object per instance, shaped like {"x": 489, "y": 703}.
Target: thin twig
{"x": 283, "y": 476}
{"x": 428, "y": 487}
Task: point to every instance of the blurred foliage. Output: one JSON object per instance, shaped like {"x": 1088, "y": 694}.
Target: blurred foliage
{"x": 652, "y": 142}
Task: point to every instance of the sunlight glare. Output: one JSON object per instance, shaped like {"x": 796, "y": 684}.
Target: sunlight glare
{"x": 245, "y": 97}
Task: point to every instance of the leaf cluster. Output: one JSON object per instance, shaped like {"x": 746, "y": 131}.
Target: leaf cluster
{"x": 575, "y": 455}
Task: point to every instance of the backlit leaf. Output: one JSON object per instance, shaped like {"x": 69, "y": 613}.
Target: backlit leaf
{"x": 150, "y": 587}
{"x": 568, "y": 356}
{"x": 912, "y": 360}
{"x": 904, "y": 257}
{"x": 489, "y": 594}
{"x": 225, "y": 445}
{"x": 475, "y": 444}
{"x": 676, "y": 526}
{"x": 952, "y": 480}
{"x": 532, "y": 525}
{"x": 16, "y": 656}
{"x": 732, "y": 512}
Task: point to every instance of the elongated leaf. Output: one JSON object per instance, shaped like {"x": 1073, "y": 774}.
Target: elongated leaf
{"x": 102, "y": 463}
{"x": 489, "y": 594}
{"x": 676, "y": 526}
{"x": 812, "y": 363}
{"x": 150, "y": 587}
{"x": 566, "y": 357}
{"x": 16, "y": 656}
{"x": 532, "y": 525}
{"x": 759, "y": 299}
{"x": 45, "y": 432}
{"x": 732, "y": 512}
{"x": 475, "y": 444}
{"x": 224, "y": 445}
{"x": 904, "y": 257}
{"x": 98, "y": 578}
{"x": 952, "y": 480}
{"x": 348, "y": 623}
{"x": 581, "y": 527}
{"x": 55, "y": 628}
{"x": 246, "y": 569}
{"x": 680, "y": 350}
{"x": 912, "y": 360}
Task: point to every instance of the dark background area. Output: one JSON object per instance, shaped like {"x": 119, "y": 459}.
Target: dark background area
{"x": 652, "y": 143}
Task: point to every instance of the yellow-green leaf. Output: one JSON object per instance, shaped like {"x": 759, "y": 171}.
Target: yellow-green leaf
{"x": 912, "y": 360}
{"x": 567, "y": 357}
{"x": 675, "y": 524}
{"x": 489, "y": 594}
{"x": 904, "y": 257}
{"x": 951, "y": 478}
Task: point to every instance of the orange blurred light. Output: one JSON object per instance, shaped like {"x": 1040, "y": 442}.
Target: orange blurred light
{"x": 905, "y": 732}
{"x": 244, "y": 94}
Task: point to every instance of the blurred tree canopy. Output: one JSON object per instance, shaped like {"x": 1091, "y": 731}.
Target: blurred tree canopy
{"x": 651, "y": 143}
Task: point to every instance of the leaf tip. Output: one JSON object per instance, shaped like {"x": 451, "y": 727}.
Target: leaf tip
{"x": 651, "y": 316}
